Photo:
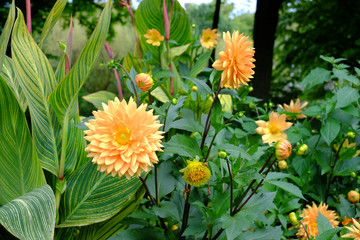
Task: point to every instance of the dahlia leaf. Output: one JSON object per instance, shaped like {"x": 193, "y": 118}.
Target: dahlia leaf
{"x": 200, "y": 64}
{"x": 262, "y": 234}
{"x": 92, "y": 197}
{"x": 20, "y": 170}
{"x": 51, "y": 20}
{"x": 64, "y": 96}
{"x": 330, "y": 130}
{"x": 37, "y": 80}
{"x": 289, "y": 187}
{"x": 345, "y": 96}
{"x": 323, "y": 225}
{"x": 166, "y": 181}
{"x": 5, "y": 33}
{"x": 315, "y": 77}
{"x": 182, "y": 145}
{"x": 31, "y": 216}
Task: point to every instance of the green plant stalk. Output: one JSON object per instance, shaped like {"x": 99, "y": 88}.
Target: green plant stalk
{"x": 186, "y": 210}
{"x": 231, "y": 187}
{"x": 156, "y": 186}
{"x": 332, "y": 166}
{"x": 132, "y": 82}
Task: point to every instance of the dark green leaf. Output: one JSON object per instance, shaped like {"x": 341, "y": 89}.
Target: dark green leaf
{"x": 330, "y": 130}
{"x": 315, "y": 77}
{"x": 200, "y": 64}
{"x": 345, "y": 96}
{"x": 182, "y": 145}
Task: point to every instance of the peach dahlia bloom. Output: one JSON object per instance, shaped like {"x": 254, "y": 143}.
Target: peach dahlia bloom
{"x": 272, "y": 130}
{"x": 236, "y": 61}
{"x": 295, "y": 108}
{"x": 354, "y": 231}
{"x": 209, "y": 38}
{"x": 123, "y": 138}
{"x": 153, "y": 37}
{"x": 309, "y": 216}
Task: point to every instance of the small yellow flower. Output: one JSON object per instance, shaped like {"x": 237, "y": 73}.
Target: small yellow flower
{"x": 354, "y": 231}
{"x": 295, "y": 108}
{"x": 144, "y": 81}
{"x": 124, "y": 138}
{"x": 283, "y": 149}
{"x": 209, "y": 38}
{"x": 236, "y": 61}
{"x": 272, "y": 130}
{"x": 353, "y": 196}
{"x": 196, "y": 173}
{"x": 309, "y": 216}
{"x": 153, "y": 37}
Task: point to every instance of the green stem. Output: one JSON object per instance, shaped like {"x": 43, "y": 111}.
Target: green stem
{"x": 231, "y": 187}
{"x": 132, "y": 82}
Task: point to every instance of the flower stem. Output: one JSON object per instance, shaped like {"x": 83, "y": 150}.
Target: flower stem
{"x": 132, "y": 82}
{"x": 186, "y": 210}
{"x": 150, "y": 99}
{"x": 156, "y": 185}
{"x": 207, "y": 123}
{"x": 307, "y": 234}
{"x": 111, "y": 55}
{"x": 231, "y": 187}
{"x": 28, "y": 15}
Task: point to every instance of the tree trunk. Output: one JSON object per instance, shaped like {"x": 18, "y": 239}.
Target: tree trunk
{"x": 215, "y": 25}
{"x": 266, "y": 19}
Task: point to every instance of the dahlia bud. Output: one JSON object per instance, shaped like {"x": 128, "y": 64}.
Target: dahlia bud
{"x": 283, "y": 149}
{"x": 353, "y": 196}
{"x": 194, "y": 89}
{"x": 350, "y": 134}
{"x": 251, "y": 89}
{"x": 175, "y": 227}
{"x": 282, "y": 164}
{"x": 293, "y": 219}
{"x": 196, "y": 173}
{"x": 302, "y": 149}
{"x": 174, "y": 101}
{"x": 222, "y": 154}
{"x": 144, "y": 81}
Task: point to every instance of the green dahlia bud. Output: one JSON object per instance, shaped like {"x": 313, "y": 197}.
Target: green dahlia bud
{"x": 222, "y": 154}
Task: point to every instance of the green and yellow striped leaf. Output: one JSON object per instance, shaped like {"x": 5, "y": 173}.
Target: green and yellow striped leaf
{"x": 5, "y": 34}
{"x": 66, "y": 93}
{"x": 51, "y": 20}
{"x": 8, "y": 74}
{"x": 149, "y": 15}
{"x": 20, "y": 170}
{"x": 37, "y": 80}
{"x": 31, "y": 216}
{"x": 92, "y": 197}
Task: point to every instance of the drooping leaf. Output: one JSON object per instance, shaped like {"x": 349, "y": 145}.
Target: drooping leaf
{"x": 99, "y": 198}
{"x": 51, "y": 20}
{"x": 37, "y": 80}
{"x": 202, "y": 86}
{"x": 64, "y": 96}
{"x": 182, "y": 145}
{"x": 31, "y": 216}
{"x": 289, "y": 187}
{"x": 98, "y": 98}
{"x": 5, "y": 33}
{"x": 20, "y": 170}
{"x": 315, "y": 77}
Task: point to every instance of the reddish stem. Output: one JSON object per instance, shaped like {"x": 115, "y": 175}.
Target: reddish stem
{"x": 111, "y": 55}
{"x": 28, "y": 15}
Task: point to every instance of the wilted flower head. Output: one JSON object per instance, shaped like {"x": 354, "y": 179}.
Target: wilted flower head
{"x": 309, "y": 216}
{"x": 236, "y": 61}
{"x": 272, "y": 130}
{"x": 124, "y": 138}
{"x": 209, "y": 38}
{"x": 295, "y": 108}
{"x": 144, "y": 81}
{"x": 354, "y": 231}
{"x": 283, "y": 149}
{"x": 153, "y": 37}
{"x": 196, "y": 173}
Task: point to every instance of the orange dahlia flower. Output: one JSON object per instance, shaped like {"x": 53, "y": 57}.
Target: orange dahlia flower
{"x": 309, "y": 216}
{"x": 124, "y": 138}
{"x": 272, "y": 130}
{"x": 153, "y": 37}
{"x": 354, "y": 231}
{"x": 236, "y": 61}
{"x": 295, "y": 108}
{"x": 209, "y": 38}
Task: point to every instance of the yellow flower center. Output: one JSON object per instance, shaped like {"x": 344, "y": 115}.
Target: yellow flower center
{"x": 274, "y": 129}
{"x": 122, "y": 136}
{"x": 197, "y": 175}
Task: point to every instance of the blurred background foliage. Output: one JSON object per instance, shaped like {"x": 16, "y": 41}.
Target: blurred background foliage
{"x": 305, "y": 30}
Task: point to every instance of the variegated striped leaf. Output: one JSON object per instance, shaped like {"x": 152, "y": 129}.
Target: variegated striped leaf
{"x": 52, "y": 18}
{"x": 20, "y": 170}
{"x": 8, "y": 74}
{"x": 31, "y": 216}
{"x": 64, "y": 96}
{"x": 92, "y": 197}
{"x": 5, "y": 33}
{"x": 37, "y": 80}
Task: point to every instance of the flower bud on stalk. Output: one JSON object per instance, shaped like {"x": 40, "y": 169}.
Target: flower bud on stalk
{"x": 293, "y": 219}
{"x": 353, "y": 196}
{"x": 283, "y": 149}
{"x": 144, "y": 81}
{"x": 282, "y": 164}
